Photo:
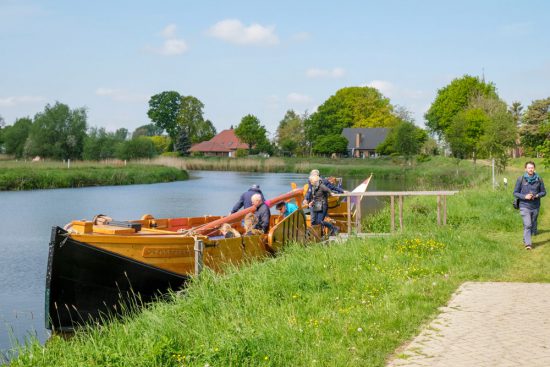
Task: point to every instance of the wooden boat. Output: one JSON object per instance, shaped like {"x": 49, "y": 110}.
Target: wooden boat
{"x": 99, "y": 270}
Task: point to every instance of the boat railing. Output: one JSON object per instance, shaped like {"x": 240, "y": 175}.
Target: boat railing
{"x": 399, "y": 195}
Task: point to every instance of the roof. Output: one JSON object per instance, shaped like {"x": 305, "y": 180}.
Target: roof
{"x": 225, "y": 141}
{"x": 370, "y": 137}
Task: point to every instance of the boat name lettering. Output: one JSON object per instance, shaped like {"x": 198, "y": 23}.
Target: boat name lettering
{"x": 166, "y": 252}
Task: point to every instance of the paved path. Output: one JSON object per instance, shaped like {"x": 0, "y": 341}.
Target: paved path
{"x": 486, "y": 325}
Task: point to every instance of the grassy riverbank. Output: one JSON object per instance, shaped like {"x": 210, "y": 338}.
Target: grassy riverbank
{"x": 347, "y": 304}
{"x": 49, "y": 175}
{"x": 440, "y": 172}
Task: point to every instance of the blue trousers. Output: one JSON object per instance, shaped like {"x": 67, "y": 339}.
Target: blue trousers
{"x": 319, "y": 218}
{"x": 529, "y": 217}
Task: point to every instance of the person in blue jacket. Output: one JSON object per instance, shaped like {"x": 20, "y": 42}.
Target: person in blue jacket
{"x": 262, "y": 213}
{"x": 286, "y": 208}
{"x": 529, "y": 189}
{"x": 245, "y": 201}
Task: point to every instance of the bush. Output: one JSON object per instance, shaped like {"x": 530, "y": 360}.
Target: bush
{"x": 241, "y": 153}
{"x": 140, "y": 147}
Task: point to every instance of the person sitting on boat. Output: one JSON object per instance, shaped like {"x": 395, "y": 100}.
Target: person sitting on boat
{"x": 262, "y": 213}
{"x": 318, "y": 204}
{"x": 250, "y": 223}
{"x": 286, "y": 208}
{"x": 245, "y": 201}
{"x": 228, "y": 232}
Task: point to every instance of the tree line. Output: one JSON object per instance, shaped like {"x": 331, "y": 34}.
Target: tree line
{"x": 467, "y": 119}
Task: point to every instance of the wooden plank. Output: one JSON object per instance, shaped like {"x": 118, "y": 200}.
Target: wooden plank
{"x": 401, "y": 212}
{"x": 349, "y": 218}
{"x": 358, "y": 217}
{"x": 392, "y": 213}
{"x": 397, "y": 193}
{"x": 199, "y": 248}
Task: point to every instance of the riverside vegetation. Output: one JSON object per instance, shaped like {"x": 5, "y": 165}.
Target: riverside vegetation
{"x": 49, "y": 175}
{"x": 345, "y": 304}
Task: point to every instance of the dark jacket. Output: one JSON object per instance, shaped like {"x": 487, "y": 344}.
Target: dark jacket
{"x": 263, "y": 215}
{"x": 320, "y": 194}
{"x": 334, "y": 188}
{"x": 523, "y": 188}
{"x": 245, "y": 200}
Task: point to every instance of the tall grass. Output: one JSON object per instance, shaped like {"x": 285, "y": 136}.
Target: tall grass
{"x": 345, "y": 304}
{"x": 30, "y": 176}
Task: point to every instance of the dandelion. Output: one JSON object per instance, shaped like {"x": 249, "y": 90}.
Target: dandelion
{"x": 266, "y": 358}
{"x": 360, "y": 329}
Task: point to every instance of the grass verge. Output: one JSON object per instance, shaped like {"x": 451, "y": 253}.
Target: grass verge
{"x": 346, "y": 304}
{"x": 31, "y": 176}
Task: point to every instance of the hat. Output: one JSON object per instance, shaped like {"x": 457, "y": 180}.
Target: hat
{"x": 255, "y": 187}
{"x": 280, "y": 204}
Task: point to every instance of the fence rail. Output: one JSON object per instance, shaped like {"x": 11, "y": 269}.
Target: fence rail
{"x": 441, "y": 205}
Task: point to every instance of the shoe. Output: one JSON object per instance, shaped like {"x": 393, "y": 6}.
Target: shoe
{"x": 335, "y": 230}
{"x": 528, "y": 247}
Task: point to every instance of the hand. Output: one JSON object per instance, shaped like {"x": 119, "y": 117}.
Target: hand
{"x": 529, "y": 197}
{"x": 304, "y": 203}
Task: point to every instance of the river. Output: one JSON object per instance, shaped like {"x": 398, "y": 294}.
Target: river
{"x": 26, "y": 219}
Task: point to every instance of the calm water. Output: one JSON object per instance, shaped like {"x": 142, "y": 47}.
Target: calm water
{"x": 26, "y": 219}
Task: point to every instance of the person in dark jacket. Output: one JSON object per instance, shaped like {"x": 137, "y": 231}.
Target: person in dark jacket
{"x": 529, "y": 189}
{"x": 318, "y": 204}
{"x": 245, "y": 201}
{"x": 262, "y": 213}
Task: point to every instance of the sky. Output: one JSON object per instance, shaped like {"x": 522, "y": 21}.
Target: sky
{"x": 262, "y": 58}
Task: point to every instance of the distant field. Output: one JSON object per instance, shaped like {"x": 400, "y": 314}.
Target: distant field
{"x": 21, "y": 175}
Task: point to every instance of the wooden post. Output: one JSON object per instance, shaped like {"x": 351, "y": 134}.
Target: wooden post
{"x": 199, "y": 250}
{"x": 400, "y": 212}
{"x": 438, "y": 210}
{"x": 444, "y": 210}
{"x": 349, "y": 215}
{"x": 358, "y": 216}
{"x": 392, "y": 212}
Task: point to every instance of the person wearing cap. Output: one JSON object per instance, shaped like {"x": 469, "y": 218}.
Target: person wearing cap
{"x": 286, "y": 208}
{"x": 245, "y": 201}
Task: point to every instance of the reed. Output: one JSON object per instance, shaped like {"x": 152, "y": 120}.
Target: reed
{"x": 346, "y": 304}
{"x": 49, "y": 175}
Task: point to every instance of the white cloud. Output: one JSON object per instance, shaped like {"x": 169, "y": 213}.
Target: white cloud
{"x": 172, "y": 45}
{"x": 325, "y": 73}
{"x": 301, "y": 36}
{"x": 120, "y": 95}
{"x": 390, "y": 90}
{"x": 17, "y": 100}
{"x": 517, "y": 29}
{"x": 233, "y": 31}
{"x": 299, "y": 98}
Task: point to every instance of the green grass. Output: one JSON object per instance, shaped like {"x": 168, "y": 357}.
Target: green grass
{"x": 347, "y": 304}
{"x": 49, "y": 175}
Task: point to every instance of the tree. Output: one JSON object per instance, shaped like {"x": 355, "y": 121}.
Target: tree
{"x": 147, "y": 130}
{"x": 190, "y": 117}
{"x": 453, "y": 99}
{"x": 122, "y": 134}
{"x": 290, "y": 134}
{"x": 465, "y": 131}
{"x": 330, "y": 144}
{"x": 535, "y": 128}
{"x": 140, "y": 147}
{"x": 58, "y": 132}
{"x": 163, "y": 111}
{"x": 250, "y": 131}
{"x": 161, "y": 143}
{"x": 15, "y": 136}
{"x": 409, "y": 139}
{"x": 499, "y": 133}
{"x": 2, "y": 124}
{"x": 100, "y": 144}
{"x": 350, "y": 107}
{"x": 184, "y": 143}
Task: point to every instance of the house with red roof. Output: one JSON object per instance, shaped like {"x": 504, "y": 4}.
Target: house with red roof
{"x": 225, "y": 144}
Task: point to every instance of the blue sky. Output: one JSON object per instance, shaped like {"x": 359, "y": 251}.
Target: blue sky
{"x": 262, "y": 58}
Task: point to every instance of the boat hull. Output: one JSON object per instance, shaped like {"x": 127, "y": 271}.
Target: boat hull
{"x": 87, "y": 284}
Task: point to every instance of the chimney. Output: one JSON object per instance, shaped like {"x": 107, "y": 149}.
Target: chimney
{"x": 357, "y": 140}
